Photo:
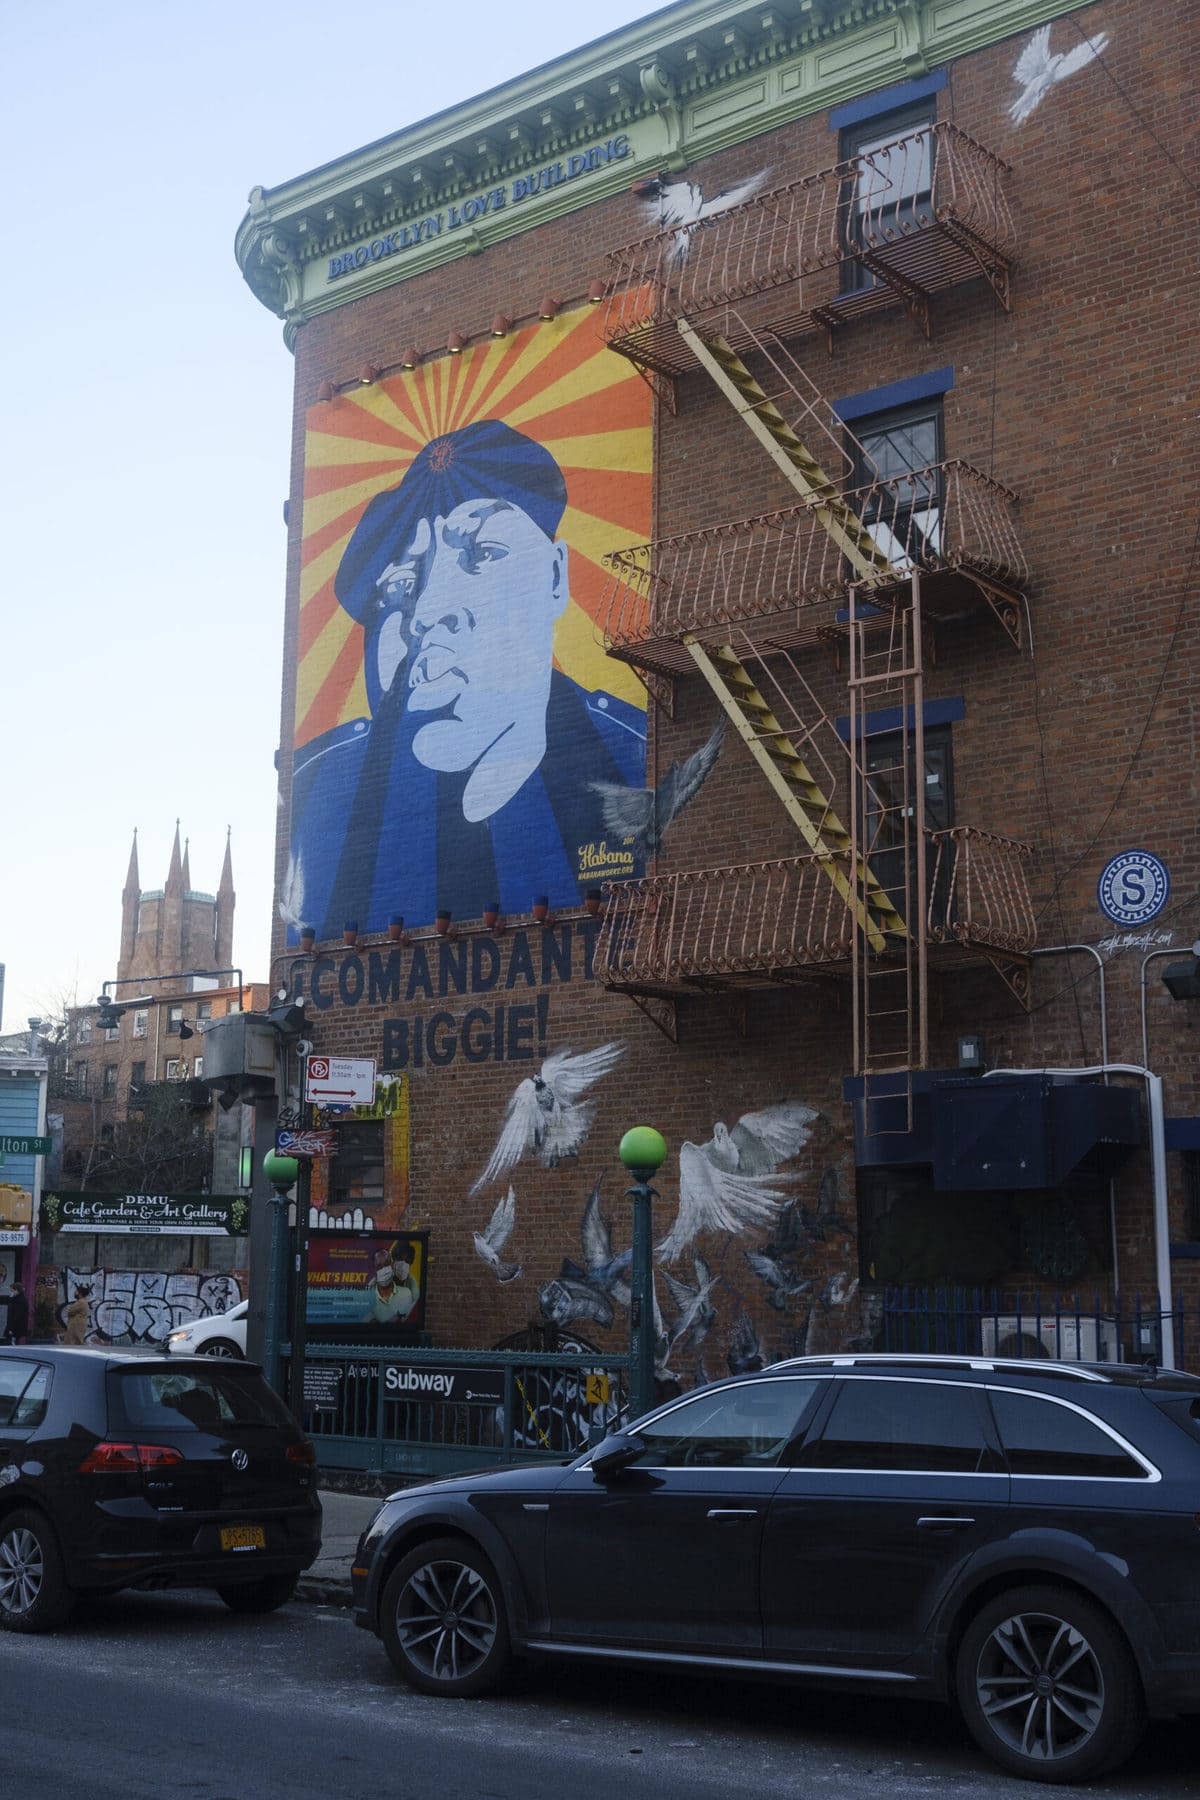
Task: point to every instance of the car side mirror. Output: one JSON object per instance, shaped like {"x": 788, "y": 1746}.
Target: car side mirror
{"x": 616, "y": 1452}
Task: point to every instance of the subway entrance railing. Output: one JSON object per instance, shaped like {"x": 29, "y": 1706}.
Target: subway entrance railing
{"x": 423, "y": 1412}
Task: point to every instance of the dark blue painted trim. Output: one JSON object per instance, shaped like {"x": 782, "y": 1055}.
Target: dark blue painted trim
{"x": 1179, "y": 1251}
{"x": 896, "y": 393}
{"x": 1182, "y": 1133}
{"x": 886, "y": 100}
{"x": 934, "y": 712}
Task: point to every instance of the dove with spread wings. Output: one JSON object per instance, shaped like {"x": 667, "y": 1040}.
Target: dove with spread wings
{"x": 1037, "y": 71}
{"x": 643, "y": 814}
{"x": 729, "y": 1183}
{"x": 491, "y": 1242}
{"x": 682, "y": 203}
{"x": 547, "y": 1113}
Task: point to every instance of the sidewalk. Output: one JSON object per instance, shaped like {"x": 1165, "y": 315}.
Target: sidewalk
{"x": 346, "y": 1518}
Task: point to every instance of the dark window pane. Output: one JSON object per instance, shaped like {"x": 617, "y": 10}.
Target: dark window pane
{"x": 1042, "y": 1438}
{"x": 902, "y": 1425}
{"x": 356, "y": 1173}
{"x": 742, "y": 1427}
{"x": 31, "y": 1407}
{"x": 170, "y": 1397}
{"x": 14, "y": 1375}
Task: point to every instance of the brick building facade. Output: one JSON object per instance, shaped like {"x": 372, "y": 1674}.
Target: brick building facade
{"x": 886, "y": 412}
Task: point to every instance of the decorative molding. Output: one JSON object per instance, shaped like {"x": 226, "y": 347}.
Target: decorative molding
{"x": 683, "y": 84}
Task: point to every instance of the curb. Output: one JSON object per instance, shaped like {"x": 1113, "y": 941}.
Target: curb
{"x": 323, "y": 1590}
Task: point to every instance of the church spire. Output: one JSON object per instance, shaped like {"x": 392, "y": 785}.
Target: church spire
{"x": 175, "y": 873}
{"x": 130, "y": 900}
{"x": 226, "y": 900}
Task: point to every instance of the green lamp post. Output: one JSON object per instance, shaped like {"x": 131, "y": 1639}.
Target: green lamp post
{"x": 282, "y": 1172}
{"x": 642, "y": 1150}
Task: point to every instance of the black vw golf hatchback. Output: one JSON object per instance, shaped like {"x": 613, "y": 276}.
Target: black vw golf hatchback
{"x": 119, "y": 1470}
{"x": 1021, "y": 1539}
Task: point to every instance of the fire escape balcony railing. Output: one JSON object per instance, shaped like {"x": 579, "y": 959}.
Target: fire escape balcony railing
{"x": 947, "y": 518}
{"x": 911, "y": 217}
{"x": 761, "y": 924}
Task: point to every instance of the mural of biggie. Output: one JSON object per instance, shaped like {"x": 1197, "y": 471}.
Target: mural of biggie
{"x": 454, "y": 710}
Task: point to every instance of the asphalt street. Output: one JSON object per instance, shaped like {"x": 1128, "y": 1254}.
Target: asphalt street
{"x": 169, "y": 1696}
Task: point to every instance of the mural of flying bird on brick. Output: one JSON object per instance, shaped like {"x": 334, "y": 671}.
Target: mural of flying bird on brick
{"x": 547, "y": 1114}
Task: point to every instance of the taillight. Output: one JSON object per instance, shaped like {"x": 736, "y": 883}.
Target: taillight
{"x": 128, "y": 1459}
{"x": 303, "y": 1452}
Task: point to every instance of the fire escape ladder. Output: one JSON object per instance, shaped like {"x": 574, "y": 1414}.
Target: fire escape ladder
{"x": 801, "y": 794}
{"x": 891, "y": 1012}
{"x": 782, "y": 444}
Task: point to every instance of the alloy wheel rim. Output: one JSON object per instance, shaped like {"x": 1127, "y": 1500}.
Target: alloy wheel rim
{"x": 446, "y": 1620}
{"x": 1040, "y": 1686}
{"x": 22, "y": 1571}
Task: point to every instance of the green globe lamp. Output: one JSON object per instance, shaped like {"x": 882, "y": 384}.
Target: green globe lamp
{"x": 643, "y": 1151}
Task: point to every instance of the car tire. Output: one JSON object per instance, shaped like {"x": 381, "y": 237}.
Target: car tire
{"x": 443, "y": 1620}
{"x": 220, "y": 1347}
{"x": 34, "y": 1595}
{"x": 265, "y": 1595}
{"x": 1047, "y": 1686}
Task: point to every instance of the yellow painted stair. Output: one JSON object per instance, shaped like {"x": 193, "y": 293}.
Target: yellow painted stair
{"x": 793, "y": 783}
{"x": 787, "y": 451}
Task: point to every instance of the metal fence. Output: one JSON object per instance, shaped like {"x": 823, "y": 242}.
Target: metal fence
{"x": 425, "y": 1412}
{"x": 1066, "y": 1327}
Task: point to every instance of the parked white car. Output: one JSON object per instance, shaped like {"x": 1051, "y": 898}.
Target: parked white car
{"x": 221, "y": 1334}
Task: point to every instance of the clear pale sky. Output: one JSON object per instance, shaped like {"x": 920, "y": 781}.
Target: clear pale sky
{"x": 147, "y": 407}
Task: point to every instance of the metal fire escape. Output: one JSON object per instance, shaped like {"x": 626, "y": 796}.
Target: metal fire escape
{"x": 741, "y": 603}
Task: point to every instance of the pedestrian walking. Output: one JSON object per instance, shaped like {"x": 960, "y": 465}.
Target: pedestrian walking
{"x": 77, "y": 1317}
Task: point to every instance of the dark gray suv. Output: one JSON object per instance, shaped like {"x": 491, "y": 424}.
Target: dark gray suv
{"x": 1022, "y": 1539}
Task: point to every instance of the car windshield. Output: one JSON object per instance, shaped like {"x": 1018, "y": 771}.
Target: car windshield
{"x": 145, "y": 1399}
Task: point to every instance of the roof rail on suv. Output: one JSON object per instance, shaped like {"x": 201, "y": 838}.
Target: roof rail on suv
{"x": 912, "y": 1359}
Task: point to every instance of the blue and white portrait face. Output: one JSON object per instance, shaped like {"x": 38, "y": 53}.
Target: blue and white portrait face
{"x": 469, "y": 614}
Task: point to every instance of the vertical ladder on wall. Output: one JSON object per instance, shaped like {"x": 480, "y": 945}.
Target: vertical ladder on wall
{"x": 887, "y": 807}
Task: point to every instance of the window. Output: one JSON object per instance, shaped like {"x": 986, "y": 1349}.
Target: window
{"x": 891, "y": 801}
{"x": 174, "y": 1068}
{"x": 197, "y": 1067}
{"x": 174, "y": 1020}
{"x": 890, "y": 191}
{"x": 897, "y": 470}
{"x": 110, "y": 1080}
{"x": 204, "y": 1009}
{"x": 83, "y": 1031}
{"x": 891, "y": 1425}
{"x": 742, "y": 1427}
{"x": 141, "y": 1018}
{"x": 356, "y": 1175}
{"x": 112, "y": 1034}
{"x": 81, "y": 1079}
{"x": 16, "y": 1378}
{"x": 137, "y": 1078}
{"x": 1043, "y": 1437}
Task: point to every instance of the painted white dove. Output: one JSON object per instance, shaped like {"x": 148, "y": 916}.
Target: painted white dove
{"x": 1037, "y": 71}
{"x": 682, "y": 203}
{"x": 727, "y": 1184}
{"x": 491, "y": 1242}
{"x": 548, "y": 1113}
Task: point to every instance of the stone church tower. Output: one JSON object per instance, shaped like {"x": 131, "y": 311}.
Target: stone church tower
{"x": 174, "y": 928}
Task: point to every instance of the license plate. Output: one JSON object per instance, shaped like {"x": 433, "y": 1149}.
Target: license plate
{"x": 242, "y": 1537}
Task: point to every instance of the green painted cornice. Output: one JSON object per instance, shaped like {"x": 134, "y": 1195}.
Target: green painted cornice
{"x": 689, "y": 80}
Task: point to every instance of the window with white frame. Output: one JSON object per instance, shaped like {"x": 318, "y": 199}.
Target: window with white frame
{"x": 174, "y": 1068}
{"x": 83, "y": 1031}
{"x": 141, "y": 1021}
{"x": 198, "y": 1067}
{"x": 174, "y": 1020}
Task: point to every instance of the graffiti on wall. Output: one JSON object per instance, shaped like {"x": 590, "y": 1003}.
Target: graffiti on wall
{"x": 132, "y": 1305}
{"x": 454, "y": 706}
{"x": 1038, "y": 69}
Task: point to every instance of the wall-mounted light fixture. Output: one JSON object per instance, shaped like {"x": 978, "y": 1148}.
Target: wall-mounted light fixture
{"x": 501, "y": 325}
{"x": 442, "y": 923}
{"x": 456, "y": 343}
{"x": 549, "y": 307}
{"x": 971, "y": 1058}
{"x": 350, "y": 933}
{"x": 326, "y": 391}
{"x": 368, "y": 373}
{"x": 593, "y": 900}
{"x": 396, "y": 931}
{"x": 596, "y": 291}
{"x": 493, "y": 918}
{"x": 409, "y": 358}
{"x": 308, "y": 937}
{"x": 541, "y": 910}
{"x": 1182, "y": 979}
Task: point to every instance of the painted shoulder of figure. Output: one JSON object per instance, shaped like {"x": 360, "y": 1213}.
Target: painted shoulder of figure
{"x": 311, "y": 760}
{"x": 622, "y": 728}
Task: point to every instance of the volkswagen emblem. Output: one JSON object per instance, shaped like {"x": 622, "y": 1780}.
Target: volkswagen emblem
{"x": 240, "y": 1460}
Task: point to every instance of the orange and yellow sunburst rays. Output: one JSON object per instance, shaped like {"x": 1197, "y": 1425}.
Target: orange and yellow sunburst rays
{"x": 556, "y": 382}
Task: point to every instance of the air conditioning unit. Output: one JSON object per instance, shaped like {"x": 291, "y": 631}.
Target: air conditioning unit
{"x": 1060, "y": 1340}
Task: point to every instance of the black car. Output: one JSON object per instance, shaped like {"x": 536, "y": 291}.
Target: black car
{"x": 121, "y": 1470}
{"x": 1022, "y": 1539}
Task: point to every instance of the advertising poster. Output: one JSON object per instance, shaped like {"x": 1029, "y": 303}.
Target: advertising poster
{"x": 366, "y": 1286}
{"x": 455, "y": 710}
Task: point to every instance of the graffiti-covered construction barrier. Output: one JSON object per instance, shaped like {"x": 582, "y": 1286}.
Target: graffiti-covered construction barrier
{"x": 131, "y": 1306}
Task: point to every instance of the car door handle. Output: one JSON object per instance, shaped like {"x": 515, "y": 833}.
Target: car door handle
{"x": 732, "y": 1512}
{"x": 944, "y": 1522}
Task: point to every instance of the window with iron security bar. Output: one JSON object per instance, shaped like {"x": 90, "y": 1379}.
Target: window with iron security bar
{"x": 898, "y": 463}
{"x": 356, "y": 1174}
{"x": 890, "y": 797}
{"x": 1030, "y": 1325}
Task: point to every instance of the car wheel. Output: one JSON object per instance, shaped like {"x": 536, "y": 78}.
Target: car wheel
{"x": 34, "y": 1595}
{"x": 261, "y": 1596}
{"x": 220, "y": 1347}
{"x": 443, "y": 1621}
{"x": 1047, "y": 1686}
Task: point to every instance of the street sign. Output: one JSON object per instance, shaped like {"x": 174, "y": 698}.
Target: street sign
{"x": 24, "y": 1146}
{"x": 1133, "y": 887}
{"x": 339, "y": 1080}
